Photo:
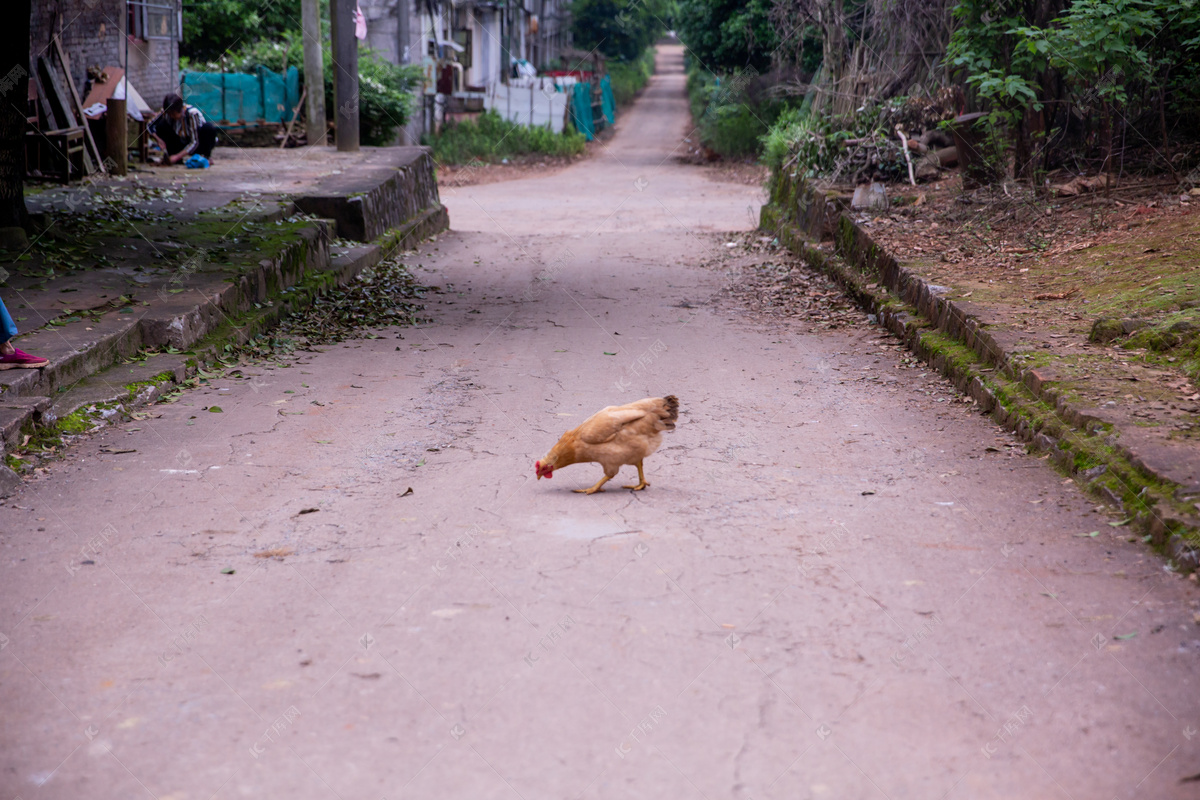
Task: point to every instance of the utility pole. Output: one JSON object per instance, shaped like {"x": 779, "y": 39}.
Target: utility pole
{"x": 403, "y": 32}
{"x": 314, "y": 72}
{"x": 345, "y": 72}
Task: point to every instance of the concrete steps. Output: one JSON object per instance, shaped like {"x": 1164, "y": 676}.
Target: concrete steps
{"x": 122, "y": 324}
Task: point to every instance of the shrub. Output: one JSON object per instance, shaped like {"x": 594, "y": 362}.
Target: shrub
{"x": 629, "y": 78}
{"x": 729, "y": 120}
{"x": 491, "y": 138}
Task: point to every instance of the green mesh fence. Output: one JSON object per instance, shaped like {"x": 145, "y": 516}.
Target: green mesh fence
{"x": 581, "y": 109}
{"x": 607, "y": 103}
{"x": 235, "y": 98}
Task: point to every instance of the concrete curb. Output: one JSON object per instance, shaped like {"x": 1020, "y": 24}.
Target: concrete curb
{"x": 954, "y": 341}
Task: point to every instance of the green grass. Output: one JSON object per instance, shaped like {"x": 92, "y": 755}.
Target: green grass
{"x": 492, "y": 138}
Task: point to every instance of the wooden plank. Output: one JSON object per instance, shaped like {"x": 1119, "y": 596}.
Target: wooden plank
{"x": 78, "y": 106}
{"x": 62, "y": 116}
{"x": 59, "y": 110}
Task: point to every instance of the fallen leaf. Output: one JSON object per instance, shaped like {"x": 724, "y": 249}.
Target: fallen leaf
{"x": 1126, "y": 635}
{"x": 309, "y": 510}
{"x": 1122, "y": 522}
{"x": 274, "y": 552}
{"x": 228, "y": 571}
{"x": 867, "y": 493}
{"x": 608, "y": 353}
{"x": 1048, "y": 594}
{"x": 407, "y": 492}
{"x": 117, "y": 450}
{"x": 215, "y": 409}
{"x": 1093, "y": 534}
{"x": 1054, "y": 295}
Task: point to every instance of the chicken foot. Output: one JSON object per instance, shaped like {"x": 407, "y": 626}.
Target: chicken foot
{"x": 641, "y": 480}
{"x": 595, "y": 488}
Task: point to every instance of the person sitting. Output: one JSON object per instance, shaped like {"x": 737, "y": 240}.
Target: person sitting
{"x": 181, "y": 131}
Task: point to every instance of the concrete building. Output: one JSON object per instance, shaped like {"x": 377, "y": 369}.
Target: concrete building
{"x": 467, "y": 48}
{"x": 93, "y": 34}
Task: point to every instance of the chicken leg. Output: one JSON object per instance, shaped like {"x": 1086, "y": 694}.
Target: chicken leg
{"x": 595, "y": 488}
{"x": 641, "y": 480}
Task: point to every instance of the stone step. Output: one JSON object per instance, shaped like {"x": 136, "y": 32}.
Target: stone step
{"x": 122, "y": 386}
{"x": 15, "y": 412}
{"x": 176, "y": 309}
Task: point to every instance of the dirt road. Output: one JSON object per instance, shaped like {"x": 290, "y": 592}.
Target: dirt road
{"x": 832, "y": 589}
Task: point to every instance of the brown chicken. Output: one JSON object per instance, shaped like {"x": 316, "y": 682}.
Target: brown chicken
{"x": 613, "y": 437}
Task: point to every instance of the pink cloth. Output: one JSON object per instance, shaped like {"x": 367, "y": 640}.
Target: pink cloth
{"x": 360, "y": 23}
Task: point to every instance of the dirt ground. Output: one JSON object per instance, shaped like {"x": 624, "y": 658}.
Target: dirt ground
{"x": 346, "y": 581}
{"x": 1048, "y": 268}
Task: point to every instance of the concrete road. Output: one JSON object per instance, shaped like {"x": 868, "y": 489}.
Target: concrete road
{"x": 832, "y": 589}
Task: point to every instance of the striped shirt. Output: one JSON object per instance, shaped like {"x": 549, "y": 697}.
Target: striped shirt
{"x": 187, "y": 127}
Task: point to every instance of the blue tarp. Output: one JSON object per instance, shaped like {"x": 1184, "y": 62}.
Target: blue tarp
{"x": 235, "y": 98}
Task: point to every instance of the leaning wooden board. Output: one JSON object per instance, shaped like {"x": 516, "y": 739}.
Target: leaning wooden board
{"x": 78, "y": 107}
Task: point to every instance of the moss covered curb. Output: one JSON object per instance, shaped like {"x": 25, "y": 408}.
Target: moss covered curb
{"x": 1023, "y": 397}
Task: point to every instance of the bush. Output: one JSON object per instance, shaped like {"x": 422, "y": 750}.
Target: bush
{"x": 629, "y": 78}
{"x": 385, "y": 96}
{"x": 491, "y": 138}
{"x": 728, "y": 119}
{"x": 814, "y": 145}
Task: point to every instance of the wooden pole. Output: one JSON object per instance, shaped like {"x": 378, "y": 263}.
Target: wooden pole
{"x": 287, "y": 133}
{"x": 116, "y": 137}
{"x": 314, "y": 73}
{"x": 345, "y": 71}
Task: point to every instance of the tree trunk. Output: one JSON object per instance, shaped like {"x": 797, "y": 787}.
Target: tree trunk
{"x": 314, "y": 73}
{"x": 14, "y": 76}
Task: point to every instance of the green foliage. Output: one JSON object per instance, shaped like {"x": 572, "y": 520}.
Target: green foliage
{"x": 1098, "y": 47}
{"x": 792, "y": 131}
{"x": 1109, "y": 62}
{"x": 491, "y": 138}
{"x": 385, "y": 96}
{"x": 725, "y": 35}
{"x": 282, "y": 50}
{"x": 212, "y": 28}
{"x": 621, "y": 29}
{"x": 629, "y": 78}
{"x": 728, "y": 119}
{"x": 814, "y": 145}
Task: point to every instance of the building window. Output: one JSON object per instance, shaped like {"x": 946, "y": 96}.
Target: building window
{"x": 150, "y": 20}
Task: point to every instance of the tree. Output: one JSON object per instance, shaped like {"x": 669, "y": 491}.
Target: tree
{"x": 212, "y": 27}
{"x": 14, "y": 74}
{"x": 620, "y": 29}
{"x": 727, "y": 35}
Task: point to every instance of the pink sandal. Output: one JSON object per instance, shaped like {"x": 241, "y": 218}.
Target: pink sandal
{"x": 19, "y": 359}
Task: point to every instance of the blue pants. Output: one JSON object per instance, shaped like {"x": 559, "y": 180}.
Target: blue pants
{"x": 8, "y": 328}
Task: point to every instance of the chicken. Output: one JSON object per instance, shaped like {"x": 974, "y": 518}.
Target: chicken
{"x": 613, "y": 437}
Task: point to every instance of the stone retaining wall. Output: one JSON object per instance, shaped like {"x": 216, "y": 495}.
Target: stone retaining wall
{"x": 951, "y": 337}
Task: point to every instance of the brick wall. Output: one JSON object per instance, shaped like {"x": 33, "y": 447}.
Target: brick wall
{"x": 92, "y": 33}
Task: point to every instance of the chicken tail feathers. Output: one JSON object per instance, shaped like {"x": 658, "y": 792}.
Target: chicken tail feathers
{"x": 672, "y": 408}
